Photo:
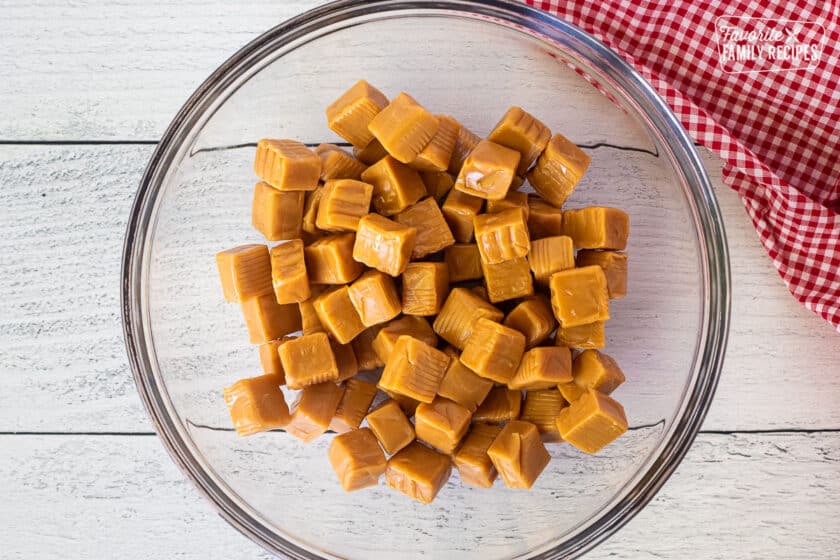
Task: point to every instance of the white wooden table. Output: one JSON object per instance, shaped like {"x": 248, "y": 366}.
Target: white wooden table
{"x": 86, "y": 88}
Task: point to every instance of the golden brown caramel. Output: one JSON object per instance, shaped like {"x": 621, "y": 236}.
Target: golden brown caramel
{"x": 257, "y": 404}
{"x": 435, "y": 156}
{"x": 395, "y": 186}
{"x": 384, "y": 244}
{"x": 519, "y": 454}
{"x": 245, "y": 272}
{"x": 441, "y": 423}
{"x": 345, "y": 358}
{"x": 502, "y": 404}
{"x": 386, "y": 339}
{"x": 541, "y": 409}
{"x": 463, "y": 261}
{"x": 595, "y": 370}
{"x": 371, "y": 153}
{"x": 357, "y": 459}
{"x": 310, "y": 323}
{"x": 438, "y": 183}
{"x": 425, "y": 286}
{"x": 597, "y": 227}
{"x": 459, "y": 209}
{"x": 418, "y": 472}
{"x": 493, "y": 351}
{"x": 287, "y": 165}
{"x": 353, "y": 406}
{"x": 270, "y": 360}
{"x": 329, "y": 260}
{"x": 366, "y": 357}
{"x": 391, "y": 426}
{"x": 349, "y": 115}
{"x": 404, "y": 127}
{"x": 266, "y": 320}
{"x": 462, "y": 385}
{"x": 533, "y": 318}
{"x": 342, "y": 203}
{"x": 433, "y": 233}
{"x": 522, "y": 132}
{"x": 288, "y": 272}
{"x": 544, "y": 220}
{"x": 571, "y": 391}
{"x": 465, "y": 141}
{"x": 514, "y": 199}
{"x": 582, "y": 336}
{"x": 543, "y": 367}
{"x": 559, "y": 169}
{"x": 310, "y": 211}
{"x": 579, "y": 296}
{"x": 474, "y": 465}
{"x": 592, "y": 421}
{"x": 308, "y": 360}
{"x": 277, "y": 214}
{"x": 414, "y": 369}
{"x": 313, "y": 411}
{"x": 508, "y": 280}
{"x": 488, "y": 171}
{"x": 502, "y": 236}
{"x": 375, "y": 298}
{"x": 614, "y": 265}
{"x": 549, "y": 255}
{"x": 336, "y": 163}
{"x": 338, "y": 315}
{"x": 459, "y": 314}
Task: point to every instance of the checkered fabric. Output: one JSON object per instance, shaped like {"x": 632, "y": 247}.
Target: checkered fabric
{"x": 776, "y": 126}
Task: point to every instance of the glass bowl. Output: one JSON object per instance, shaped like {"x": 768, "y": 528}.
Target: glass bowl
{"x": 472, "y": 60}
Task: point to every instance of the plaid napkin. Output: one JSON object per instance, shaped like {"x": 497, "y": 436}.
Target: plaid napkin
{"x": 758, "y": 83}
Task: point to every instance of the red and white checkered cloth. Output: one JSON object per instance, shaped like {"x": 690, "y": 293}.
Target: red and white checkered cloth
{"x": 775, "y": 124}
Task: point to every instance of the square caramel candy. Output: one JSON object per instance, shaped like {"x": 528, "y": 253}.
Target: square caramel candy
{"x": 597, "y": 227}
{"x": 414, "y": 369}
{"x": 357, "y": 459}
{"x": 257, "y": 404}
{"x": 558, "y": 170}
{"x": 267, "y": 320}
{"x": 488, "y": 171}
{"x": 245, "y": 272}
{"x": 463, "y": 261}
{"x": 571, "y": 391}
{"x": 277, "y": 214}
{"x": 288, "y": 272}
{"x": 544, "y": 220}
{"x": 462, "y": 385}
{"x": 543, "y": 367}
{"x": 501, "y": 237}
{"x": 345, "y": 359}
{"x": 404, "y": 127}
{"x": 353, "y": 406}
{"x": 521, "y": 131}
{"x": 395, "y": 186}
{"x": 390, "y": 426}
{"x": 474, "y": 465}
{"x": 437, "y": 153}
{"x": 441, "y": 424}
{"x": 465, "y": 142}
{"x": 433, "y": 233}
{"x": 595, "y": 370}
{"x": 375, "y": 298}
{"x": 384, "y": 244}
{"x": 371, "y": 153}
{"x": 336, "y": 163}
{"x": 418, "y": 472}
{"x": 519, "y": 454}
{"x": 313, "y": 411}
{"x": 270, "y": 360}
{"x": 549, "y": 255}
{"x": 310, "y": 323}
{"x": 337, "y": 314}
{"x": 350, "y": 114}
{"x": 508, "y": 280}
{"x": 329, "y": 260}
{"x": 366, "y": 357}
{"x": 533, "y": 318}
{"x": 583, "y": 336}
{"x": 541, "y": 409}
{"x": 513, "y": 200}
{"x": 343, "y": 202}
{"x": 308, "y": 360}
{"x": 459, "y": 209}
{"x": 501, "y": 405}
{"x": 493, "y": 351}
{"x": 579, "y": 296}
{"x": 287, "y": 165}
{"x": 438, "y": 183}
{"x": 592, "y": 421}
{"x": 418, "y": 327}
{"x": 459, "y": 314}
{"x": 425, "y": 286}
{"x": 614, "y": 265}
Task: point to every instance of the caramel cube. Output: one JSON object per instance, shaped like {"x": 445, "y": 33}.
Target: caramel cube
{"x": 592, "y": 421}
{"x": 433, "y": 233}
{"x": 270, "y": 360}
{"x": 353, "y": 406}
{"x": 338, "y": 164}
{"x": 558, "y": 170}
{"x": 463, "y": 261}
{"x": 543, "y": 367}
{"x": 597, "y": 227}
{"x": 257, "y": 404}
{"x": 438, "y": 183}
{"x": 462, "y": 385}
{"x": 329, "y": 260}
{"x": 424, "y": 287}
{"x": 493, "y": 350}
{"x": 513, "y": 200}
{"x": 519, "y": 454}
{"x": 308, "y": 360}
{"x": 310, "y": 211}
{"x": 375, "y": 298}
{"x": 245, "y": 272}
{"x": 549, "y": 255}
{"x": 459, "y": 209}
{"x": 474, "y": 465}
{"x": 357, "y": 459}
{"x": 310, "y": 323}
{"x": 459, "y": 314}
{"x": 441, "y": 423}
{"x": 541, "y": 409}
{"x": 410, "y": 325}
{"x": 342, "y": 203}
{"x": 579, "y": 296}
{"x": 508, "y": 280}
{"x": 571, "y": 391}
{"x": 488, "y": 171}
{"x": 404, "y": 127}
{"x": 277, "y": 214}
{"x": 418, "y": 472}
{"x": 414, "y": 369}
{"x": 582, "y": 336}
{"x": 395, "y": 186}
{"x": 384, "y": 244}
{"x": 544, "y": 220}
{"x": 390, "y": 426}
{"x": 288, "y": 272}
{"x": 465, "y": 142}
{"x": 366, "y": 357}
{"x": 370, "y": 153}
{"x": 501, "y": 237}
{"x": 349, "y": 115}
{"x": 533, "y": 318}
{"x": 614, "y": 265}
{"x": 345, "y": 359}
{"x": 267, "y": 320}
{"x": 338, "y": 314}
{"x": 287, "y": 165}
{"x": 502, "y": 404}
{"x": 314, "y": 410}
{"x": 437, "y": 153}
{"x": 596, "y": 370}
{"x": 522, "y": 132}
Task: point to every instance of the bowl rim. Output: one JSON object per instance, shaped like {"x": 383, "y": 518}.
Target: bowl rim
{"x": 713, "y": 249}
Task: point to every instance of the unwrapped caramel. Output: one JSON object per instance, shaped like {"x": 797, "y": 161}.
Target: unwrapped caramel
{"x": 418, "y": 472}
{"x": 473, "y": 464}
{"x": 257, "y": 404}
{"x": 357, "y": 459}
{"x": 519, "y": 454}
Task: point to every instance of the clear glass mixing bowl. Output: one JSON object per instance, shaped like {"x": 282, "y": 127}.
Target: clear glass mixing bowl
{"x": 472, "y": 60}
